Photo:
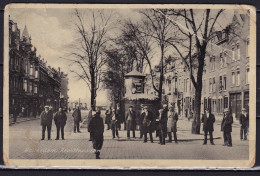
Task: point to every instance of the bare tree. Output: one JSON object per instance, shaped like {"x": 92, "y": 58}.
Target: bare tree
{"x": 196, "y": 29}
{"x": 88, "y": 55}
{"x": 161, "y": 31}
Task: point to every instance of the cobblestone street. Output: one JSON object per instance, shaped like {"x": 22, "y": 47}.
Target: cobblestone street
{"x": 25, "y": 143}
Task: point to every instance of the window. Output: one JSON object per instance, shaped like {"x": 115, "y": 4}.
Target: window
{"x": 25, "y": 85}
{"x": 26, "y": 66}
{"x": 31, "y": 70}
{"x": 224, "y": 83}
{"x": 35, "y": 89}
{"x": 214, "y": 85}
{"x": 238, "y": 51}
{"x": 247, "y": 48}
{"x": 233, "y": 78}
{"x": 247, "y": 76}
{"x": 210, "y": 85}
{"x": 220, "y": 84}
{"x": 30, "y": 87}
{"x": 221, "y": 60}
{"x": 225, "y": 59}
{"x": 36, "y": 74}
{"x": 238, "y": 78}
{"x": 233, "y": 53}
{"x": 212, "y": 63}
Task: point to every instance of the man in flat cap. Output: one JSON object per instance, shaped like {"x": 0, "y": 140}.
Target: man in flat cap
{"x": 244, "y": 121}
{"x": 46, "y": 122}
{"x": 226, "y": 127}
{"x": 208, "y": 120}
{"x": 130, "y": 121}
{"x": 147, "y": 124}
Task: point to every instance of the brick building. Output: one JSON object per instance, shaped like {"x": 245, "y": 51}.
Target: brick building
{"x": 225, "y": 77}
{"x": 32, "y": 84}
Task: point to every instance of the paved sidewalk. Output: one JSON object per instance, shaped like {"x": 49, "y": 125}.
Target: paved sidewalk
{"x": 22, "y": 119}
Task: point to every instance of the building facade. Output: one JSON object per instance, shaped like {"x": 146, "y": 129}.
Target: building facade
{"x": 225, "y": 78}
{"x": 32, "y": 84}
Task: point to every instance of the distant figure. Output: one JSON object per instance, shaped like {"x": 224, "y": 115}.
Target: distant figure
{"x": 140, "y": 122}
{"x": 96, "y": 128}
{"x": 172, "y": 124}
{"x": 60, "y": 119}
{"x": 15, "y": 113}
{"x": 226, "y": 127}
{"x": 119, "y": 116}
{"x": 208, "y": 120}
{"x": 108, "y": 114}
{"x": 115, "y": 124}
{"x": 130, "y": 121}
{"x": 77, "y": 119}
{"x": 148, "y": 121}
{"x": 162, "y": 125}
{"x": 46, "y": 122}
{"x": 90, "y": 116}
{"x": 190, "y": 116}
{"x": 244, "y": 121}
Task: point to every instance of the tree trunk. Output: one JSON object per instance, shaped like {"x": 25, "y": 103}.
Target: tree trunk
{"x": 93, "y": 92}
{"x": 161, "y": 75}
{"x": 197, "y": 101}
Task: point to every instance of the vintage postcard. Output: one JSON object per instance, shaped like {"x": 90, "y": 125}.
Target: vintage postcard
{"x": 129, "y": 86}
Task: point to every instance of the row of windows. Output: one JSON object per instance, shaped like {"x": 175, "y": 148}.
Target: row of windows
{"x": 234, "y": 55}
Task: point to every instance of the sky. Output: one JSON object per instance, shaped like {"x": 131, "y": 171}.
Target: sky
{"x": 52, "y": 31}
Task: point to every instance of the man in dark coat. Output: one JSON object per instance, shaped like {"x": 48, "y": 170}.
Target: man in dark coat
{"x": 208, "y": 119}
{"x": 96, "y": 128}
{"x": 226, "y": 127}
{"x": 244, "y": 121}
{"x": 147, "y": 123}
{"x": 77, "y": 119}
{"x": 119, "y": 116}
{"x": 115, "y": 121}
{"x": 130, "y": 121}
{"x": 46, "y": 122}
{"x": 60, "y": 119}
{"x": 108, "y": 114}
{"x": 163, "y": 116}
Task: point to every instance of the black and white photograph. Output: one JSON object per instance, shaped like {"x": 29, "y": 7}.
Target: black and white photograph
{"x": 129, "y": 85}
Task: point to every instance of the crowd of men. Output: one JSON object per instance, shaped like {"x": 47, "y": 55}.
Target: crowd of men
{"x": 164, "y": 124}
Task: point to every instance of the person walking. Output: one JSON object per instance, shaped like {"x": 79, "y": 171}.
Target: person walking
{"x": 244, "y": 121}
{"x": 172, "y": 124}
{"x": 163, "y": 117}
{"x": 119, "y": 116}
{"x": 226, "y": 127}
{"x": 60, "y": 119}
{"x": 130, "y": 121}
{"x": 77, "y": 119}
{"x": 147, "y": 124}
{"x": 96, "y": 128}
{"x": 114, "y": 123}
{"x": 208, "y": 120}
{"x": 108, "y": 114}
{"x": 46, "y": 122}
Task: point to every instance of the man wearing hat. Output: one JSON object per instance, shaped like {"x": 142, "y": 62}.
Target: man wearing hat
{"x": 244, "y": 121}
{"x": 114, "y": 123}
{"x": 46, "y": 122}
{"x": 147, "y": 124}
{"x": 130, "y": 121}
{"x": 77, "y": 119}
{"x": 226, "y": 127}
{"x": 60, "y": 119}
{"x": 208, "y": 120}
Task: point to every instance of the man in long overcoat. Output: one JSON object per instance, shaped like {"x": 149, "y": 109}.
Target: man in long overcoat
{"x": 208, "y": 120}
{"x": 46, "y": 122}
{"x": 77, "y": 119}
{"x": 108, "y": 114}
{"x": 148, "y": 121}
{"x": 244, "y": 121}
{"x": 115, "y": 122}
{"x": 226, "y": 127}
{"x": 130, "y": 121}
{"x": 172, "y": 124}
{"x": 163, "y": 116}
{"x": 60, "y": 119}
{"x": 96, "y": 129}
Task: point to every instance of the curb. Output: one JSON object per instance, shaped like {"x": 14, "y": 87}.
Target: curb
{"x": 24, "y": 120}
